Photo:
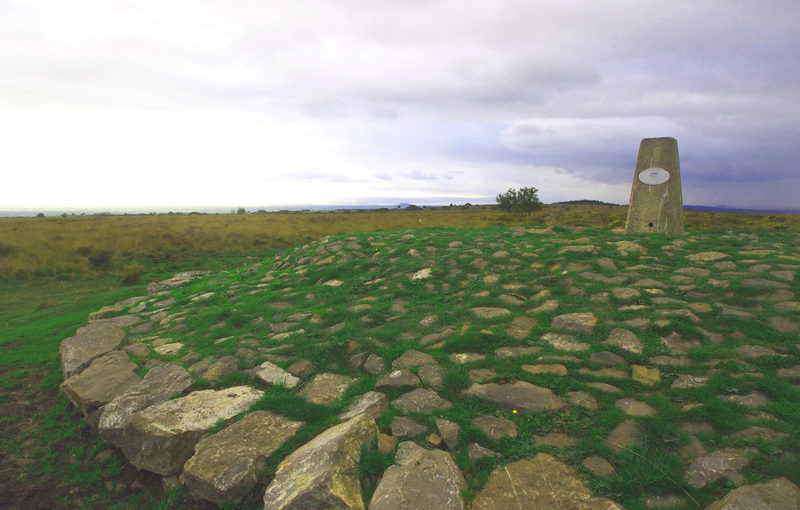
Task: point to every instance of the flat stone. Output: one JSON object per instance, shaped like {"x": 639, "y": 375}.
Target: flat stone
{"x": 670, "y": 360}
{"x": 777, "y": 494}
{"x": 626, "y": 247}
{"x": 792, "y": 372}
{"x": 606, "y": 358}
{"x": 761, "y": 433}
{"x": 516, "y": 351}
{"x": 225, "y": 465}
{"x": 271, "y": 374}
{"x": 323, "y": 473}
{"x": 374, "y": 364}
{"x": 707, "y": 256}
{"x": 645, "y": 375}
{"x": 564, "y": 342}
{"x": 89, "y": 343}
{"x": 633, "y": 407}
{"x": 462, "y": 358}
{"x": 518, "y": 395}
{"x": 547, "y": 368}
{"x": 495, "y": 427}
{"x": 371, "y": 403}
{"x": 432, "y": 375}
{"x": 449, "y": 432}
{"x": 756, "y": 351}
{"x": 412, "y": 358}
{"x": 228, "y": 365}
{"x": 764, "y": 283}
{"x": 159, "y": 385}
{"x": 98, "y": 384}
{"x": 625, "y": 340}
{"x": 301, "y": 368}
{"x": 615, "y": 373}
{"x": 727, "y": 463}
{"x": 420, "y": 479}
{"x": 161, "y": 438}
{"x": 421, "y": 401}
{"x": 583, "y": 322}
{"x": 684, "y": 381}
{"x": 582, "y": 399}
{"x": 402, "y": 378}
{"x": 540, "y": 482}
{"x": 598, "y": 466}
{"x": 476, "y": 452}
{"x": 326, "y": 388}
{"x": 521, "y": 326}
{"x": 169, "y": 349}
{"x": 751, "y": 400}
{"x": 481, "y": 374}
{"x": 406, "y": 428}
{"x": 608, "y": 388}
{"x": 784, "y": 325}
{"x": 488, "y": 312}
{"x": 624, "y": 435}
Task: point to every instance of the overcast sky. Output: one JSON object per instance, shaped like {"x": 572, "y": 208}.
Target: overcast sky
{"x": 189, "y": 103}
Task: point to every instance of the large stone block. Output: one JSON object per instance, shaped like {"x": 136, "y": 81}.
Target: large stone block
{"x": 225, "y": 465}
{"x": 103, "y": 380}
{"x": 89, "y": 343}
{"x": 158, "y": 385}
{"x": 161, "y": 438}
{"x": 656, "y": 204}
{"x": 518, "y": 395}
{"x": 323, "y": 473}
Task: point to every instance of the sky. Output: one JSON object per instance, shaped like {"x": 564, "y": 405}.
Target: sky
{"x": 196, "y": 103}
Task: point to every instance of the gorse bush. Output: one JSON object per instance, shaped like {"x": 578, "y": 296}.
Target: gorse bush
{"x": 522, "y": 202}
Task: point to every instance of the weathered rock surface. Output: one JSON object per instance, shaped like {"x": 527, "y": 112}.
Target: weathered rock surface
{"x": 519, "y": 395}
{"x": 421, "y": 401}
{"x": 176, "y": 281}
{"x": 583, "y": 322}
{"x": 89, "y": 343}
{"x": 372, "y": 403}
{"x": 777, "y": 494}
{"x": 326, "y": 388}
{"x": 727, "y": 463}
{"x": 420, "y": 479}
{"x": 398, "y": 379}
{"x": 495, "y": 427}
{"x": 323, "y": 473}
{"x": 541, "y": 482}
{"x": 225, "y": 465}
{"x": 161, "y": 438}
{"x": 158, "y": 385}
{"x": 103, "y": 380}
{"x": 270, "y": 373}
{"x": 412, "y": 358}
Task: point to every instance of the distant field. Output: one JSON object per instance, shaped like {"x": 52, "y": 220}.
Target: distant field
{"x": 128, "y": 245}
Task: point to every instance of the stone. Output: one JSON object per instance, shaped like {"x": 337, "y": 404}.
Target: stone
{"x": 422, "y": 274}
{"x": 556, "y": 369}
{"x": 582, "y": 399}
{"x": 755, "y": 351}
{"x": 625, "y": 340}
{"x": 301, "y": 368}
{"x": 761, "y": 433}
{"x": 606, "y": 358}
{"x": 448, "y": 431}
{"x": 792, "y": 372}
{"x": 374, "y": 364}
{"x": 624, "y": 435}
{"x": 685, "y": 381}
{"x": 598, "y": 466}
{"x": 99, "y": 383}
{"x": 564, "y": 342}
{"x": 325, "y": 388}
{"x": 372, "y": 403}
{"x": 626, "y": 247}
{"x": 176, "y": 281}
{"x": 625, "y": 293}
{"x": 516, "y": 351}
{"x": 462, "y": 358}
{"x": 583, "y": 322}
{"x": 412, "y": 358}
{"x": 488, "y": 312}
{"x": 764, "y": 283}
{"x": 777, "y": 494}
{"x": 169, "y": 349}
{"x": 518, "y": 395}
{"x": 421, "y": 401}
{"x": 402, "y": 378}
{"x": 645, "y": 375}
{"x": 158, "y": 385}
{"x": 540, "y": 482}
{"x": 227, "y": 365}
{"x": 521, "y": 326}
{"x": 608, "y": 388}
{"x": 432, "y": 375}
{"x": 751, "y": 400}
{"x": 161, "y": 438}
{"x": 89, "y": 343}
{"x": 323, "y": 473}
{"x": 225, "y": 465}
{"x": 656, "y": 202}
{"x": 420, "y": 478}
{"x": 706, "y": 256}
{"x": 495, "y": 427}
{"x": 727, "y": 463}
{"x": 406, "y": 428}
{"x": 481, "y": 374}
{"x": 476, "y": 451}
{"x": 784, "y": 325}
{"x": 633, "y": 407}
{"x": 271, "y": 374}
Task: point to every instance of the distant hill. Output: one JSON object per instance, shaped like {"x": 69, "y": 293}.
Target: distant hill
{"x": 584, "y": 202}
{"x": 728, "y": 209}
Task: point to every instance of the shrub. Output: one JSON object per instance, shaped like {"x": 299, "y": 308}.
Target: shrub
{"x": 101, "y": 259}
{"x": 131, "y": 274}
{"x": 522, "y": 202}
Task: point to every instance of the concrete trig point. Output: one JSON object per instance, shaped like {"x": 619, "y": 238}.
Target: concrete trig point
{"x": 656, "y": 204}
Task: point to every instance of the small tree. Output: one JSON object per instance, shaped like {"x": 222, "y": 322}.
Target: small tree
{"x": 522, "y": 202}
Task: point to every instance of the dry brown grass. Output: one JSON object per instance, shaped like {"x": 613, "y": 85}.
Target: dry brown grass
{"x": 56, "y": 246}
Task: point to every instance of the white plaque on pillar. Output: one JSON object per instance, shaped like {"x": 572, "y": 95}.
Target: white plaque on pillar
{"x": 653, "y": 176}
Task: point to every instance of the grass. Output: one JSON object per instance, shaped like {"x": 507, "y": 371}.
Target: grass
{"x": 37, "y": 313}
